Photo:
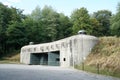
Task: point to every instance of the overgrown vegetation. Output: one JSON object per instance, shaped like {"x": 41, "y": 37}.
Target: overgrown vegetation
{"x": 105, "y": 57}
{"x": 13, "y": 57}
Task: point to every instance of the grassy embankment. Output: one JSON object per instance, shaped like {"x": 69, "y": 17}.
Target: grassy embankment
{"x": 104, "y": 58}
{"x": 11, "y": 58}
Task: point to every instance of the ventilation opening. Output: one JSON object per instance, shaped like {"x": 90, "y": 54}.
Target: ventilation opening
{"x": 64, "y": 59}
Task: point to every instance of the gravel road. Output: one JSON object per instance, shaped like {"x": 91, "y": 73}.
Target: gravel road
{"x": 37, "y": 72}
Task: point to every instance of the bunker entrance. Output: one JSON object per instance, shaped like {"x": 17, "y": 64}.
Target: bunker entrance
{"x": 39, "y": 59}
{"x": 50, "y": 58}
{"x": 54, "y": 58}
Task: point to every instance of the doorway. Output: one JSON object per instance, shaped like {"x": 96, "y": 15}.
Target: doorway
{"x": 50, "y": 58}
{"x": 54, "y": 58}
{"x": 39, "y": 59}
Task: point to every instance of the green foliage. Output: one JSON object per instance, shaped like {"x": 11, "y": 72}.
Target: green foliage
{"x": 115, "y": 23}
{"x": 8, "y": 18}
{"x": 64, "y": 29}
{"x": 47, "y": 25}
{"x": 98, "y": 25}
{"x": 50, "y": 22}
{"x": 4, "y": 20}
{"x": 16, "y": 35}
{"x": 103, "y": 16}
{"x": 16, "y": 15}
{"x": 95, "y": 27}
{"x": 118, "y": 7}
{"x": 80, "y": 19}
{"x": 36, "y": 14}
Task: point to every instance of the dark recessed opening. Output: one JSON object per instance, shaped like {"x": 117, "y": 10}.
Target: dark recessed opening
{"x": 39, "y": 58}
{"x": 64, "y": 59}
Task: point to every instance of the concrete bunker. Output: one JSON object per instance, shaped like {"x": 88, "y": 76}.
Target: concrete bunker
{"x": 65, "y": 52}
{"x": 47, "y": 58}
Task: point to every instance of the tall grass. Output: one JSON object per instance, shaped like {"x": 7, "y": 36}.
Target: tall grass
{"x": 107, "y": 54}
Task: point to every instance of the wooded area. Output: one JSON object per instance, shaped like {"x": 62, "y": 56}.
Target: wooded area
{"x": 46, "y": 25}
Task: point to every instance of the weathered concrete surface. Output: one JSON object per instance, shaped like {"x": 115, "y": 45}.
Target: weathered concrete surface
{"x": 73, "y": 50}
{"x": 26, "y": 72}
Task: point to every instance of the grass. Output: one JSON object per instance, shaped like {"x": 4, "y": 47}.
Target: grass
{"x": 96, "y": 70}
{"x": 13, "y": 58}
{"x": 107, "y": 54}
{"x": 8, "y": 62}
{"x": 86, "y": 68}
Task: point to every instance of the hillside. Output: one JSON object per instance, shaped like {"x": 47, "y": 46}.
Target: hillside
{"x": 105, "y": 57}
{"x": 11, "y": 58}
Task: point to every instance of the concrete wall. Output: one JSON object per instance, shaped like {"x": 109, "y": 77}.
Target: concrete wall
{"x": 73, "y": 50}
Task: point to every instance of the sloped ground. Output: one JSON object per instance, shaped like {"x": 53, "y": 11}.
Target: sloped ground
{"x": 106, "y": 56}
{"x": 11, "y": 58}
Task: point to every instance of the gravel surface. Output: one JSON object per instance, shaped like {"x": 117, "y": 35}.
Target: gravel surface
{"x": 37, "y": 72}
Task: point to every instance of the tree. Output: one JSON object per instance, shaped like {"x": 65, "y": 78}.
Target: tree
{"x": 5, "y": 13}
{"x": 34, "y": 30}
{"x": 15, "y": 30}
{"x": 16, "y": 15}
{"x": 8, "y": 18}
{"x": 50, "y": 22}
{"x": 115, "y": 22}
{"x": 64, "y": 28}
{"x": 103, "y": 16}
{"x": 36, "y": 14}
{"x": 16, "y": 35}
{"x": 95, "y": 27}
{"x": 80, "y": 19}
{"x": 118, "y": 7}
{"x": 41, "y": 25}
